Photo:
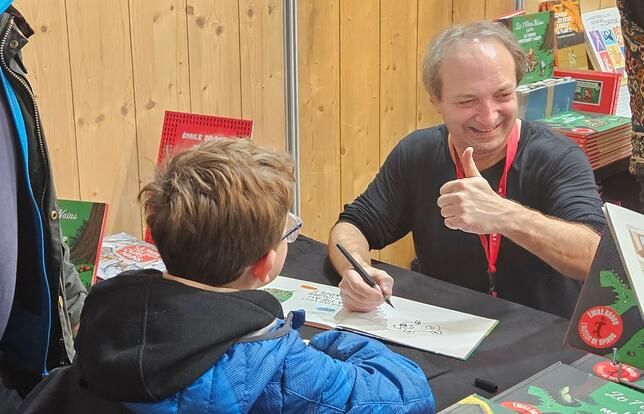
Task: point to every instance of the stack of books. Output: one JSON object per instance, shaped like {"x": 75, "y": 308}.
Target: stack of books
{"x": 546, "y": 98}
{"x": 604, "y": 138}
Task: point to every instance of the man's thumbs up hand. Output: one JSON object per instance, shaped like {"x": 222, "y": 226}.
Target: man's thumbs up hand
{"x": 470, "y": 204}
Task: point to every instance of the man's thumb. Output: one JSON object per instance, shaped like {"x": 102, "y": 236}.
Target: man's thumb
{"x": 469, "y": 167}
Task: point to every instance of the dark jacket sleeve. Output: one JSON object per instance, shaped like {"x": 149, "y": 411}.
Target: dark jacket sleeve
{"x": 353, "y": 373}
{"x": 382, "y": 212}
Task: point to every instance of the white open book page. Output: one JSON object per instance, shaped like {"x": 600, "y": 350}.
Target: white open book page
{"x": 414, "y": 324}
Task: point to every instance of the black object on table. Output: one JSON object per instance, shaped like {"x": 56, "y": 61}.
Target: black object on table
{"x": 525, "y": 341}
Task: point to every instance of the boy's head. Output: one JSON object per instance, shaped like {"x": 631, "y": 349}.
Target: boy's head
{"x": 219, "y": 209}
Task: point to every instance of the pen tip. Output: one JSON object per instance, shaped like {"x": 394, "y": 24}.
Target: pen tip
{"x": 389, "y": 302}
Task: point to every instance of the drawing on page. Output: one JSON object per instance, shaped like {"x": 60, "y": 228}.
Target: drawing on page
{"x": 322, "y": 297}
{"x": 418, "y": 326}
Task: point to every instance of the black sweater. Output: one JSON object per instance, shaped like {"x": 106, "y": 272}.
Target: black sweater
{"x": 550, "y": 174}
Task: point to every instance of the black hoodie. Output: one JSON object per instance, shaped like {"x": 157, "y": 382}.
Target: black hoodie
{"x": 143, "y": 338}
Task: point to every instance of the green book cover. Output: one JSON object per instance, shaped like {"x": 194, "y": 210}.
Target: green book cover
{"x": 585, "y": 123}
{"x": 566, "y": 390}
{"x": 607, "y": 315}
{"x": 475, "y": 404}
{"x": 82, "y": 224}
{"x": 535, "y": 33}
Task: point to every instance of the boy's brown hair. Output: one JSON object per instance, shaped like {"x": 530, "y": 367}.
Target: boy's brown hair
{"x": 216, "y": 208}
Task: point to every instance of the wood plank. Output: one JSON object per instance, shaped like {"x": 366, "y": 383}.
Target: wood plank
{"x": 589, "y": 5}
{"x": 161, "y": 78}
{"x": 319, "y": 106}
{"x": 465, "y": 11}
{"x": 262, "y": 70}
{"x": 359, "y": 96}
{"x": 495, "y": 8}
{"x": 398, "y": 67}
{"x": 213, "y": 47}
{"x": 47, "y": 59}
{"x": 101, "y": 70}
{"x": 433, "y": 16}
{"x": 532, "y": 6}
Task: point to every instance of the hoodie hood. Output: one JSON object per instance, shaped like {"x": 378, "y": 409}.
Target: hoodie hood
{"x": 143, "y": 338}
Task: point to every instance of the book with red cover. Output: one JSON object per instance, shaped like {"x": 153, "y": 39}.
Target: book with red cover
{"x": 595, "y": 91}
{"x": 183, "y": 130}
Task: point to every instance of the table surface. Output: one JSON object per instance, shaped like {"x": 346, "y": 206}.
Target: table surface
{"x": 525, "y": 341}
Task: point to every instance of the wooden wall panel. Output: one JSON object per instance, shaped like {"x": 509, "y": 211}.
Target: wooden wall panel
{"x": 47, "y": 60}
{"x": 433, "y": 16}
{"x": 101, "y": 70}
{"x": 213, "y": 36}
{"x": 359, "y": 96}
{"x": 465, "y": 11}
{"x": 161, "y": 79}
{"x": 398, "y": 74}
{"x": 495, "y": 8}
{"x": 607, "y": 3}
{"x": 319, "y": 106}
{"x": 262, "y": 70}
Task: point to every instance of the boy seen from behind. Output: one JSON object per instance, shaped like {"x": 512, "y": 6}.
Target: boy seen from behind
{"x": 201, "y": 337}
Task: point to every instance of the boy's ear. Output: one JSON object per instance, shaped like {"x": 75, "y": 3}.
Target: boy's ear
{"x": 264, "y": 265}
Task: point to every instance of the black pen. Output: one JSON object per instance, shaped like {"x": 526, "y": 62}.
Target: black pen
{"x": 363, "y": 273}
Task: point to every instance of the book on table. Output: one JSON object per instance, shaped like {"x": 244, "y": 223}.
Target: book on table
{"x": 595, "y": 91}
{"x": 610, "y": 371}
{"x": 414, "y": 324}
{"x": 122, "y": 252}
{"x": 605, "y": 46}
{"x": 475, "y": 404}
{"x": 83, "y": 224}
{"x": 563, "y": 389}
{"x": 608, "y": 317}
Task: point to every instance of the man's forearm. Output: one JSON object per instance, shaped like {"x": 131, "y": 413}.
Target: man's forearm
{"x": 568, "y": 247}
{"x": 352, "y": 239}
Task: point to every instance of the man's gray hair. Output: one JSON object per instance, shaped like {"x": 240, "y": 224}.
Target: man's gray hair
{"x": 449, "y": 40}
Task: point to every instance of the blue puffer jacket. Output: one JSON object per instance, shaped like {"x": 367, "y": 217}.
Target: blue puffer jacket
{"x": 338, "y": 372}
{"x": 268, "y": 370}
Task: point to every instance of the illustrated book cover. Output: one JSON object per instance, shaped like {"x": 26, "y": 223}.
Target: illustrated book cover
{"x": 83, "y": 224}
{"x": 563, "y": 389}
{"x": 121, "y": 252}
{"x": 595, "y": 91}
{"x": 535, "y": 33}
{"x": 569, "y": 33}
{"x": 607, "y": 314}
{"x": 475, "y": 404}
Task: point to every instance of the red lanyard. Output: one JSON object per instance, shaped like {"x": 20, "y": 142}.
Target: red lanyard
{"x": 491, "y": 246}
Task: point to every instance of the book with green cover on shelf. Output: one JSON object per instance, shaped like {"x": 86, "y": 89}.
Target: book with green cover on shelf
{"x": 535, "y": 34}
{"x": 82, "y": 224}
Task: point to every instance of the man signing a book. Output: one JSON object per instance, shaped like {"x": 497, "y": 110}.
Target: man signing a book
{"x": 494, "y": 203}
